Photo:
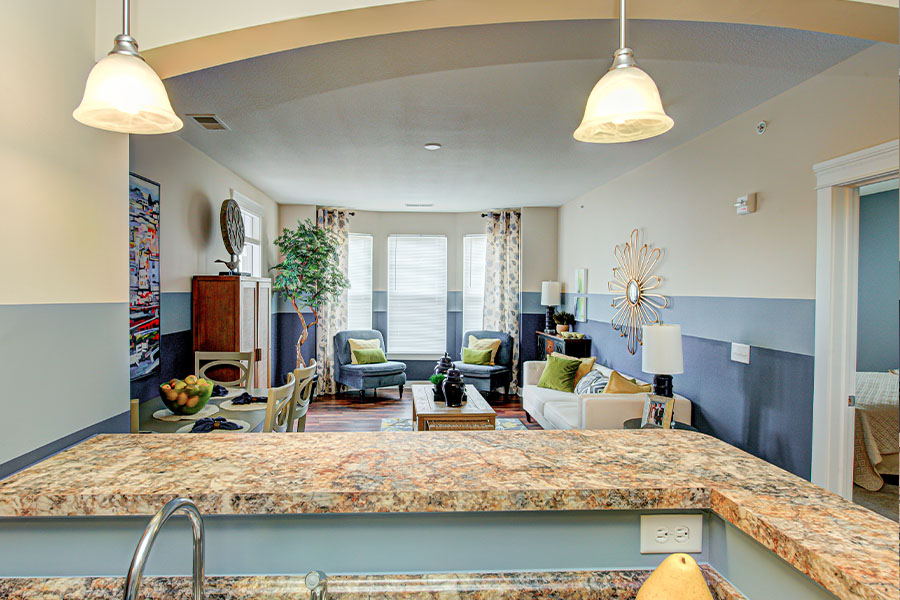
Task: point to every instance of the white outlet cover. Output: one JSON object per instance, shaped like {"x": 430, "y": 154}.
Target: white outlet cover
{"x": 665, "y": 534}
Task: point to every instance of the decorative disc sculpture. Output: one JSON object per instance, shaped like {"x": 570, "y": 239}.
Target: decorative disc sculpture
{"x": 635, "y": 307}
{"x": 232, "y": 222}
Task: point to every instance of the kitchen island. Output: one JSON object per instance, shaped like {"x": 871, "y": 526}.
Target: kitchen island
{"x": 463, "y": 502}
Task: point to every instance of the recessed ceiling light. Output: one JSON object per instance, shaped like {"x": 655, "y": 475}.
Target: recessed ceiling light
{"x": 432, "y": 146}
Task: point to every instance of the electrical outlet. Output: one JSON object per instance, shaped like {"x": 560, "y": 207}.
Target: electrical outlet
{"x": 664, "y": 534}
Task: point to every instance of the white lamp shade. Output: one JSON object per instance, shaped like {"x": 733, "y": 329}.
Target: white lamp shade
{"x": 550, "y": 293}
{"x": 662, "y": 354}
{"x": 624, "y": 106}
{"x": 124, "y": 94}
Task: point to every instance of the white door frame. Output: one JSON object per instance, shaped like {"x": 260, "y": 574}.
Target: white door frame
{"x": 837, "y": 266}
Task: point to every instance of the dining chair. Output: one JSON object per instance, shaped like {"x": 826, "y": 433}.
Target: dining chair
{"x": 280, "y": 407}
{"x": 135, "y": 415}
{"x": 224, "y": 363}
{"x": 303, "y": 390}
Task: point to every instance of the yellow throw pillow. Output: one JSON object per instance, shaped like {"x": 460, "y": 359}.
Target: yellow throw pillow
{"x": 491, "y": 344}
{"x": 361, "y": 345}
{"x": 586, "y": 364}
{"x": 619, "y": 384}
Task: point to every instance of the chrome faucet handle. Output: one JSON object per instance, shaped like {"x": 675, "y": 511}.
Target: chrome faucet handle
{"x": 317, "y": 584}
{"x": 135, "y": 572}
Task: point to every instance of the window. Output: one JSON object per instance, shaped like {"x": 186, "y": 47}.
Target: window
{"x": 250, "y": 260}
{"x": 359, "y": 296}
{"x": 417, "y": 294}
{"x": 474, "y": 255}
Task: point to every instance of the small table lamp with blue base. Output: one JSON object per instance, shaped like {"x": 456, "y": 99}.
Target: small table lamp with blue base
{"x": 662, "y": 356}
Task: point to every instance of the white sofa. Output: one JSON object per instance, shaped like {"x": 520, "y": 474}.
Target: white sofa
{"x": 553, "y": 409}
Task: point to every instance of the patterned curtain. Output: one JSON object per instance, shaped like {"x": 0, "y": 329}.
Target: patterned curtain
{"x": 333, "y": 315}
{"x": 501, "y": 280}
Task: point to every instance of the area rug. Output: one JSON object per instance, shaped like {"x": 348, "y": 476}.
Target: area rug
{"x": 406, "y": 424}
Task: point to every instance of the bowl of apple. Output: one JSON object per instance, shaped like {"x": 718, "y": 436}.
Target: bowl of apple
{"x": 186, "y": 396}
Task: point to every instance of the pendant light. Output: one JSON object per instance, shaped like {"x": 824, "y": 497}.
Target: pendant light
{"x": 123, "y": 93}
{"x": 624, "y": 106}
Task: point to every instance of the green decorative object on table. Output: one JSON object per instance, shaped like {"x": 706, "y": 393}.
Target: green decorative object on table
{"x": 187, "y": 396}
{"x": 563, "y": 321}
{"x": 437, "y": 380}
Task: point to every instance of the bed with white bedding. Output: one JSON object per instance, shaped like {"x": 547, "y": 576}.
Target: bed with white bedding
{"x": 877, "y": 435}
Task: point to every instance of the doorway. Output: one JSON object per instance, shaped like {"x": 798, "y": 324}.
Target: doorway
{"x": 837, "y": 286}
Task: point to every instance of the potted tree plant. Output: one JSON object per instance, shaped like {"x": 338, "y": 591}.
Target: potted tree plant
{"x": 309, "y": 274}
{"x": 563, "y": 321}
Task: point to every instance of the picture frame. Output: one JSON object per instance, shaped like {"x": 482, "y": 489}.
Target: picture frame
{"x": 581, "y": 309}
{"x": 581, "y": 281}
{"x": 658, "y": 412}
{"x": 144, "y": 276}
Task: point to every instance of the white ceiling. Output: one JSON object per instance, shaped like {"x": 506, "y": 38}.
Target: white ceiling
{"x": 343, "y": 124}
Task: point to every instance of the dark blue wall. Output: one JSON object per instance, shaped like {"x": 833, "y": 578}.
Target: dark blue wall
{"x": 764, "y": 408}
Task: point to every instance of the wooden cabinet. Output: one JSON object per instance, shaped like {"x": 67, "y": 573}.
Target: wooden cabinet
{"x": 233, "y": 314}
{"x": 549, "y": 343}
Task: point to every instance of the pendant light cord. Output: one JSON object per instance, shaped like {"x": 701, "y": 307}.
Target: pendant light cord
{"x": 126, "y": 17}
{"x": 621, "y": 23}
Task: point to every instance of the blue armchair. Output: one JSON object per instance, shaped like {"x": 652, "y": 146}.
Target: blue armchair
{"x": 487, "y": 378}
{"x": 365, "y": 377}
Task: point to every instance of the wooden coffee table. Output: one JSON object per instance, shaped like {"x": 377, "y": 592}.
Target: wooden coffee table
{"x": 475, "y": 414}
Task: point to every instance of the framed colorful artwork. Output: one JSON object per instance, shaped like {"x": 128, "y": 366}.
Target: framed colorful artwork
{"x": 581, "y": 281}
{"x": 581, "y": 309}
{"x": 143, "y": 276}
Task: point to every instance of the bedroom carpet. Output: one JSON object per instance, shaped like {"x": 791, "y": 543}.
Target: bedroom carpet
{"x": 884, "y": 501}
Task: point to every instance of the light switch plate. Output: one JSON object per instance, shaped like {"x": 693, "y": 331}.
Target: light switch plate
{"x": 740, "y": 353}
{"x": 664, "y": 534}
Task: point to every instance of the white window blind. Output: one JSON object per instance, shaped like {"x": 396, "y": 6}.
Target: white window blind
{"x": 474, "y": 254}
{"x": 359, "y": 296}
{"x": 417, "y": 294}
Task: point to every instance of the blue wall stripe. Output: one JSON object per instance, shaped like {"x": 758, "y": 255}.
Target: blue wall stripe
{"x": 176, "y": 312}
{"x": 775, "y": 323}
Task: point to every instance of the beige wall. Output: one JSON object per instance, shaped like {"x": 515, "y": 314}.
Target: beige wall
{"x": 289, "y": 214}
{"x": 539, "y": 246}
{"x": 63, "y": 198}
{"x": 63, "y": 233}
{"x": 192, "y": 188}
{"x": 682, "y": 200}
{"x": 383, "y": 224}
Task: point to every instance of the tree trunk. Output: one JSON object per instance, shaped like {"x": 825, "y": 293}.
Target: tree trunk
{"x": 304, "y": 334}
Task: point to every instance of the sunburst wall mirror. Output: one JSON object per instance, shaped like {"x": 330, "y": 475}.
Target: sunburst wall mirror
{"x": 633, "y": 280}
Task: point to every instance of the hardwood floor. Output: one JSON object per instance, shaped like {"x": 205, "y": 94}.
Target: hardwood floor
{"x": 349, "y": 412}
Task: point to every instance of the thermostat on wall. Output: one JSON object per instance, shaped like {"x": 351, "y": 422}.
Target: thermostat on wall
{"x": 746, "y": 204}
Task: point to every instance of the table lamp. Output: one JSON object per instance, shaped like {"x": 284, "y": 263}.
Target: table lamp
{"x": 550, "y": 297}
{"x": 662, "y": 356}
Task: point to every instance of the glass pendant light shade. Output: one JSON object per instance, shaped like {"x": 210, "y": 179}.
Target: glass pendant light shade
{"x": 624, "y": 106}
{"x": 124, "y": 94}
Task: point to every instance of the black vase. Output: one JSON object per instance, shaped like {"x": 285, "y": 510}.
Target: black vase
{"x": 443, "y": 365}
{"x": 454, "y": 388}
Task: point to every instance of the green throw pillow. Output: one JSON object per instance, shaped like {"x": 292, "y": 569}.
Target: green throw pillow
{"x": 369, "y": 356}
{"x": 476, "y": 357}
{"x": 559, "y": 374}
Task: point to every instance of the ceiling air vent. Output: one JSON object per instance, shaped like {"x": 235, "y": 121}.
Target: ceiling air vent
{"x": 419, "y": 205}
{"x": 209, "y": 122}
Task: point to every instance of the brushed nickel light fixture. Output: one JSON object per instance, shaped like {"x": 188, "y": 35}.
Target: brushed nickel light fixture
{"x": 123, "y": 93}
{"x": 624, "y": 106}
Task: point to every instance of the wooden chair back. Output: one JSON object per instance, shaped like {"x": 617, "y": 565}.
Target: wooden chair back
{"x": 303, "y": 390}
{"x": 280, "y": 407}
{"x": 135, "y": 415}
{"x": 241, "y": 361}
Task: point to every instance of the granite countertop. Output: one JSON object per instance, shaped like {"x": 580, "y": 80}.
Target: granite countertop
{"x": 596, "y": 585}
{"x": 849, "y": 550}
